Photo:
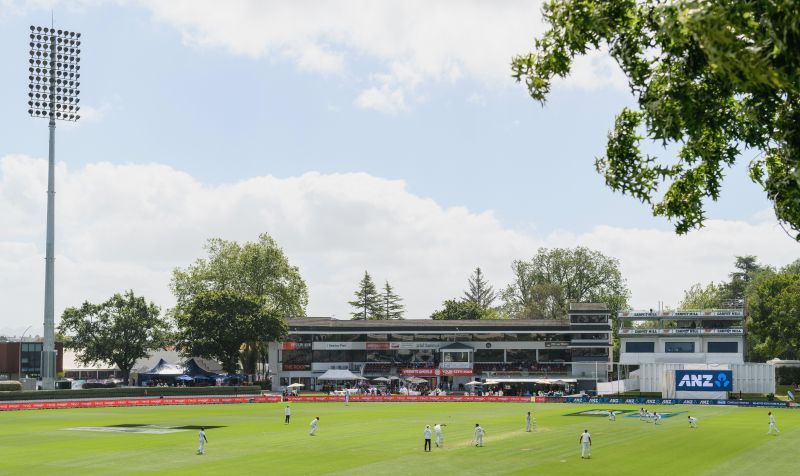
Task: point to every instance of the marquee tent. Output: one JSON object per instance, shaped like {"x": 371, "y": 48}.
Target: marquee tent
{"x": 340, "y": 374}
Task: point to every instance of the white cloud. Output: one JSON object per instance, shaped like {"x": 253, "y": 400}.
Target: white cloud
{"x": 413, "y": 41}
{"x": 383, "y": 99}
{"x": 128, "y": 226}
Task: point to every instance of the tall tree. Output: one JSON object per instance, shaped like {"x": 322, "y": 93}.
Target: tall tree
{"x": 259, "y": 270}
{"x": 746, "y": 267}
{"x": 546, "y": 284}
{"x": 480, "y": 291}
{"x": 461, "y": 309}
{"x": 119, "y": 331}
{"x": 391, "y": 308}
{"x": 712, "y": 78}
{"x": 367, "y": 304}
{"x": 216, "y": 324}
{"x": 774, "y": 314}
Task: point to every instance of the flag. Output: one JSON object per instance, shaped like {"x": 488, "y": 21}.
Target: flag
{"x": 791, "y": 395}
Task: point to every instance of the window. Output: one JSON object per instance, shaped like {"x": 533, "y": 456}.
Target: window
{"x": 679, "y": 347}
{"x": 339, "y": 355}
{"x": 723, "y": 347}
{"x": 521, "y": 355}
{"x": 588, "y": 318}
{"x": 455, "y": 356}
{"x": 489, "y": 355}
{"x": 640, "y": 347}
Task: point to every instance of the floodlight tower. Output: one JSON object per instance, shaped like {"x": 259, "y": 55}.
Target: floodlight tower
{"x": 54, "y": 79}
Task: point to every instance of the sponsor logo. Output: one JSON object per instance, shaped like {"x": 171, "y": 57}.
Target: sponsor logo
{"x": 704, "y": 380}
{"x": 663, "y": 414}
{"x": 296, "y": 366}
{"x": 598, "y": 412}
{"x": 437, "y": 372}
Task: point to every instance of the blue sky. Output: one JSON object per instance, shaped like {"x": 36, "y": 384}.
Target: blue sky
{"x": 224, "y": 93}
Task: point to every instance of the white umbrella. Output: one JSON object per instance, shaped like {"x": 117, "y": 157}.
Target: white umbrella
{"x": 474, "y": 382}
{"x": 382, "y": 379}
{"x": 296, "y": 385}
{"x": 394, "y": 378}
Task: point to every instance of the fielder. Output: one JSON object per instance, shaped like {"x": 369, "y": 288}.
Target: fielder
{"x": 287, "y": 415}
{"x": 478, "y": 435}
{"x": 586, "y": 444}
{"x": 202, "y": 449}
{"x": 528, "y": 422}
{"x": 437, "y": 430}
{"x": 346, "y": 397}
{"x": 692, "y": 422}
{"x": 772, "y": 425}
{"x": 612, "y": 415}
{"x": 656, "y": 418}
{"x": 314, "y": 423}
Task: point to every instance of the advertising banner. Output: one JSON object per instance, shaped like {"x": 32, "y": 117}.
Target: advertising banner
{"x": 46, "y": 405}
{"x": 407, "y": 398}
{"x": 704, "y": 380}
{"x": 286, "y": 367}
{"x": 437, "y": 372}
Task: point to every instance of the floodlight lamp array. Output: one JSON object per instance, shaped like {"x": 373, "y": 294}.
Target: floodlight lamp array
{"x": 54, "y": 73}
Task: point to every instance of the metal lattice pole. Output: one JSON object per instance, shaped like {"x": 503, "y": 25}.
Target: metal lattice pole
{"x": 53, "y": 92}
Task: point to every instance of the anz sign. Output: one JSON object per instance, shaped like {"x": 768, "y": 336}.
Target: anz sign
{"x": 704, "y": 380}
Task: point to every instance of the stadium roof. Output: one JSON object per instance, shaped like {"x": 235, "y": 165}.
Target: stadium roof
{"x": 326, "y": 324}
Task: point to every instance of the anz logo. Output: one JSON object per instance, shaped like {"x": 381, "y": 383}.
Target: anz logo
{"x": 703, "y": 380}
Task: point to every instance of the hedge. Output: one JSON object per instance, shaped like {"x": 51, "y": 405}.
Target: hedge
{"x": 10, "y": 385}
{"x": 788, "y": 375}
{"x": 124, "y": 392}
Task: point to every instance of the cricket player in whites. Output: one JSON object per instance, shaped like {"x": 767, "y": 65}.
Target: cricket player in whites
{"x": 692, "y": 422}
{"x": 202, "y": 449}
{"x": 772, "y": 425}
{"x": 477, "y": 436}
{"x": 586, "y": 444}
{"x": 528, "y": 422}
{"x": 313, "y": 425}
{"x": 437, "y": 430}
{"x": 287, "y": 415}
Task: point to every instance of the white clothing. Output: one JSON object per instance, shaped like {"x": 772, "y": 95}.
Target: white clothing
{"x": 772, "y": 426}
{"x": 202, "y": 447}
{"x": 692, "y": 422}
{"x": 437, "y": 429}
{"x": 612, "y": 416}
{"x": 586, "y": 446}
{"x": 479, "y": 436}
{"x": 427, "y": 433}
{"x": 586, "y": 450}
{"x": 287, "y": 412}
{"x": 528, "y": 422}
{"x": 313, "y": 426}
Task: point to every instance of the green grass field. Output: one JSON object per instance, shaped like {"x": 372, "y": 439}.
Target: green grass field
{"x": 386, "y": 438}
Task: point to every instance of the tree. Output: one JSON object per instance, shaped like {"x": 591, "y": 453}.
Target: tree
{"x": 699, "y": 297}
{"x": 712, "y": 78}
{"x": 119, "y": 331}
{"x": 480, "y": 292}
{"x": 367, "y": 304}
{"x": 216, "y": 324}
{"x": 746, "y": 268}
{"x": 774, "y": 314}
{"x": 390, "y": 307}
{"x": 544, "y": 286}
{"x": 459, "y": 309}
{"x": 259, "y": 270}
